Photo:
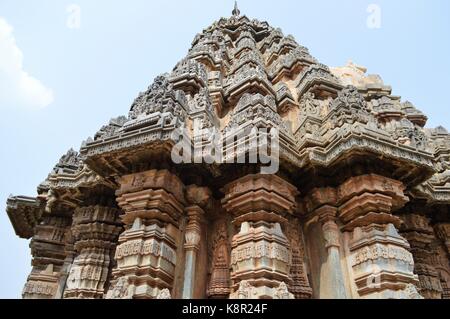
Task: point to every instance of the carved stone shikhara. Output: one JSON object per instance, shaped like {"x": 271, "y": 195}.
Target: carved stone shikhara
{"x": 359, "y": 207}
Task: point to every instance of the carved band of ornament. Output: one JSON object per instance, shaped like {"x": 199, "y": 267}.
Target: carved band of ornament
{"x": 380, "y": 251}
{"x": 73, "y": 181}
{"x": 319, "y": 71}
{"x": 53, "y": 235}
{"x": 191, "y": 67}
{"x": 149, "y": 247}
{"x": 39, "y": 288}
{"x": 88, "y": 213}
{"x": 122, "y": 142}
{"x": 288, "y": 61}
{"x": 285, "y": 43}
{"x": 87, "y": 272}
{"x": 244, "y": 74}
{"x": 259, "y": 250}
{"x": 369, "y": 143}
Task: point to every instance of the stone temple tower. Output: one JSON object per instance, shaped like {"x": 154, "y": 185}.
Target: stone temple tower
{"x": 177, "y": 199}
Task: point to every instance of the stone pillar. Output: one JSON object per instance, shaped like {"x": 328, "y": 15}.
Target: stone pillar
{"x": 153, "y": 203}
{"x": 95, "y": 230}
{"x": 332, "y": 270}
{"x": 420, "y": 235}
{"x": 191, "y": 247}
{"x": 321, "y": 206}
{"x": 48, "y": 250}
{"x": 260, "y": 256}
{"x": 195, "y": 248}
{"x": 379, "y": 258}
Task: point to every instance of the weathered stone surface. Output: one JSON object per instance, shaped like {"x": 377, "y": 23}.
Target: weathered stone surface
{"x": 357, "y": 207}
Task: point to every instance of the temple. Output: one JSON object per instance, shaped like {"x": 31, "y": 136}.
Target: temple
{"x": 357, "y": 207}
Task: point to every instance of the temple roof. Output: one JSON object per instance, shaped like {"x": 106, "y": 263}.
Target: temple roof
{"x": 241, "y": 73}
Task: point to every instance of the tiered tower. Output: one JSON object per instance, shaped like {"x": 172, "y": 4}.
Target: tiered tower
{"x": 357, "y": 205}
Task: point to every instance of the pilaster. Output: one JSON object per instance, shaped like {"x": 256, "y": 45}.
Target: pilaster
{"x": 146, "y": 256}
{"x": 321, "y": 207}
{"x": 192, "y": 237}
{"x": 379, "y": 258}
{"x": 260, "y": 256}
{"x": 48, "y": 250}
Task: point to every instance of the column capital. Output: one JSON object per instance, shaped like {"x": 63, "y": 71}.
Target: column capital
{"x": 260, "y": 197}
{"x": 369, "y": 199}
{"x": 381, "y": 263}
{"x": 327, "y": 216}
{"x": 193, "y": 229}
{"x": 326, "y": 213}
{"x": 154, "y": 194}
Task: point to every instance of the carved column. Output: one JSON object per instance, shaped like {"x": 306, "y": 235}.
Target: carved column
{"x": 153, "y": 203}
{"x": 321, "y": 205}
{"x": 95, "y": 230}
{"x": 379, "y": 258}
{"x": 48, "y": 250}
{"x": 191, "y": 247}
{"x": 420, "y": 235}
{"x": 260, "y": 257}
{"x": 332, "y": 269}
{"x": 195, "y": 247}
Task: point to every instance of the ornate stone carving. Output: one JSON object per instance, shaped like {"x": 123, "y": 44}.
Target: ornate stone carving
{"x": 299, "y": 287}
{"x": 121, "y": 289}
{"x": 282, "y": 292}
{"x": 379, "y": 257}
{"x": 95, "y": 230}
{"x": 349, "y": 107}
{"x": 339, "y": 135}
{"x": 219, "y": 283}
{"x": 41, "y": 284}
{"x": 259, "y": 203}
{"x": 164, "y": 294}
{"x": 148, "y": 247}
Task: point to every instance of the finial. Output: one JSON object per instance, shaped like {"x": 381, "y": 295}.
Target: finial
{"x": 236, "y": 11}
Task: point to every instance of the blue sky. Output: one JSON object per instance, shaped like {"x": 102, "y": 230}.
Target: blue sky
{"x": 62, "y": 84}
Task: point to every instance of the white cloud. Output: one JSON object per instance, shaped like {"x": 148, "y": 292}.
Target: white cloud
{"x": 17, "y": 87}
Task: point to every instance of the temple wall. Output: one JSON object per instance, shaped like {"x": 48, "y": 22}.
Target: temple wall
{"x": 263, "y": 239}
